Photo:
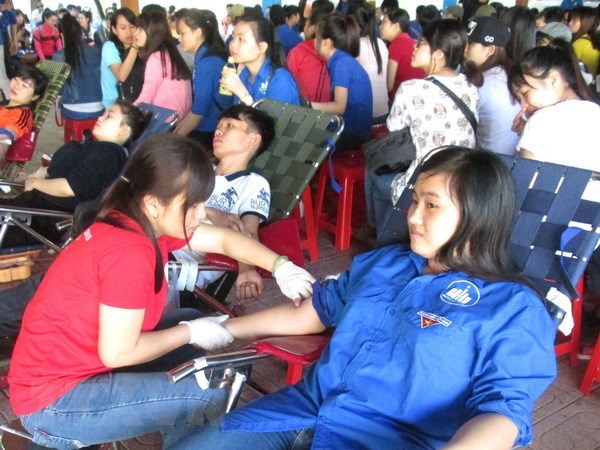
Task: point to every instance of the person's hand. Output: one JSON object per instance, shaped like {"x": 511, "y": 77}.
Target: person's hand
{"x": 231, "y": 81}
{"x": 249, "y": 285}
{"x": 519, "y": 122}
{"x": 208, "y": 332}
{"x": 225, "y": 219}
{"x": 39, "y": 174}
{"x": 12, "y": 49}
{"x": 295, "y": 282}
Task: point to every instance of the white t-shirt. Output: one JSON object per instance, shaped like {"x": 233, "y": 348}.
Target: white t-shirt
{"x": 496, "y": 111}
{"x": 241, "y": 193}
{"x": 367, "y": 59}
{"x": 566, "y": 133}
{"x": 433, "y": 117}
{"x": 238, "y": 193}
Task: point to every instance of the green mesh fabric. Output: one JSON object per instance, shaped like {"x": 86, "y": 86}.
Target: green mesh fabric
{"x": 302, "y": 142}
{"x": 57, "y": 73}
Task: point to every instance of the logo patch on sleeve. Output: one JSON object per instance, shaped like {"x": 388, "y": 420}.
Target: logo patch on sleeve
{"x": 461, "y": 293}
{"x": 429, "y": 319}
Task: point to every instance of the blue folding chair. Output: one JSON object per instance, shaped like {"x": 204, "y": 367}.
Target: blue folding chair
{"x": 554, "y": 235}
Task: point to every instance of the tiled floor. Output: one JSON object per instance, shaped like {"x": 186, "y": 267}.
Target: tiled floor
{"x": 563, "y": 418}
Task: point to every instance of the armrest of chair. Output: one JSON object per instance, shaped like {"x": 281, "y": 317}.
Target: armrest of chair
{"x": 21, "y": 218}
{"x": 293, "y": 349}
{"x": 10, "y": 183}
{"x": 280, "y": 236}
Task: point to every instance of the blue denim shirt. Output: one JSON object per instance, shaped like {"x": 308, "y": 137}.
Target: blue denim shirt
{"x": 83, "y": 85}
{"x": 413, "y": 358}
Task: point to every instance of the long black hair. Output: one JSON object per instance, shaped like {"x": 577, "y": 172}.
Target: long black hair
{"x": 364, "y": 15}
{"x": 521, "y": 22}
{"x": 483, "y": 189}
{"x": 73, "y": 43}
{"x": 159, "y": 39}
{"x": 164, "y": 166}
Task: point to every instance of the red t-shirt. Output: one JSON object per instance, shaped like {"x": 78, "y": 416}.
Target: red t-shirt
{"x": 310, "y": 72}
{"x": 58, "y": 344}
{"x": 401, "y": 50}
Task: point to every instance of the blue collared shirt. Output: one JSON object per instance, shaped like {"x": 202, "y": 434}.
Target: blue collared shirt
{"x": 346, "y": 72}
{"x": 288, "y": 37}
{"x": 207, "y": 101}
{"x": 272, "y": 83}
{"x": 413, "y": 358}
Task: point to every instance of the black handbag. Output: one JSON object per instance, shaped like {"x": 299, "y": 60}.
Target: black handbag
{"x": 391, "y": 154}
{"x": 395, "y": 152}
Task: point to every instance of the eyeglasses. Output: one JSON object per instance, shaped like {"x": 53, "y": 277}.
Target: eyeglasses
{"x": 422, "y": 42}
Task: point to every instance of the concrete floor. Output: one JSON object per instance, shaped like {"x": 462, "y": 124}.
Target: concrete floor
{"x": 563, "y": 418}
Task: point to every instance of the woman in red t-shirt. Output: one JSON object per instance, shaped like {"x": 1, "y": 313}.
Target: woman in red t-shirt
{"x": 99, "y": 305}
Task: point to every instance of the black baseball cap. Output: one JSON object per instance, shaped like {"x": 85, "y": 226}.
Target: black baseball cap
{"x": 488, "y": 31}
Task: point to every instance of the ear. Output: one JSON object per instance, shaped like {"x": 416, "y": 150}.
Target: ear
{"x": 489, "y": 50}
{"x": 554, "y": 78}
{"x": 124, "y": 130}
{"x": 254, "y": 140}
{"x": 151, "y": 205}
{"x": 263, "y": 46}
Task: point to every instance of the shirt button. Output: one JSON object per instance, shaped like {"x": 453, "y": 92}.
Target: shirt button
{"x": 392, "y": 312}
{"x": 343, "y": 386}
{"x": 368, "y": 347}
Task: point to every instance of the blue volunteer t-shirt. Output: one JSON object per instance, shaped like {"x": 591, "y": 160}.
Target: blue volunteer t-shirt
{"x": 207, "y": 101}
{"x": 274, "y": 83}
{"x": 288, "y": 37}
{"x": 413, "y": 357}
{"x": 346, "y": 72}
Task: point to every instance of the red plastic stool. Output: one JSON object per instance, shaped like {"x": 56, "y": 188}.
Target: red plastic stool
{"x": 348, "y": 169}
{"x": 74, "y": 128}
{"x": 310, "y": 242}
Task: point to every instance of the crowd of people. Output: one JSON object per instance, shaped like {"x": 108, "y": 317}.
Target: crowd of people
{"x": 470, "y": 81}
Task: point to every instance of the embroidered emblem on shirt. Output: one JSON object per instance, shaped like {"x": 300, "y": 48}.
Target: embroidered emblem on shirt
{"x": 87, "y": 234}
{"x": 461, "y": 293}
{"x": 225, "y": 200}
{"x": 429, "y": 319}
{"x": 262, "y": 201}
{"x": 263, "y": 87}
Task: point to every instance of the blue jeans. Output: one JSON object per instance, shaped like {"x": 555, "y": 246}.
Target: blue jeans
{"x": 212, "y": 438}
{"x": 379, "y": 198}
{"x": 120, "y": 405}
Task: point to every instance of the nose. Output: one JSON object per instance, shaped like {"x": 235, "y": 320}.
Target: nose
{"x": 414, "y": 215}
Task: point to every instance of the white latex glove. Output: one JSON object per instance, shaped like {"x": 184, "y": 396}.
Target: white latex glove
{"x": 208, "y": 332}
{"x": 295, "y": 282}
